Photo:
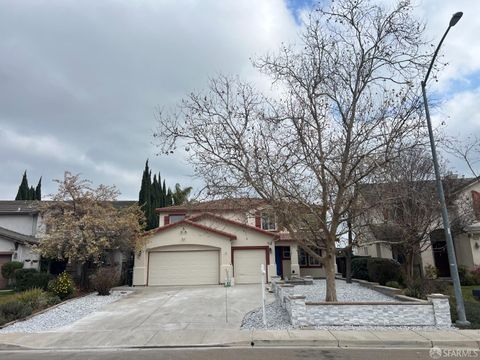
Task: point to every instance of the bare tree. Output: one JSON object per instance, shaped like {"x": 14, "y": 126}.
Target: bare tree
{"x": 466, "y": 149}
{"x": 346, "y": 104}
{"x": 404, "y": 207}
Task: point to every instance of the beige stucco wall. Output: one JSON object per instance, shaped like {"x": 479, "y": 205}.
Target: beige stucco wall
{"x": 313, "y": 272}
{"x": 245, "y": 236}
{"x": 182, "y": 236}
{"x": 22, "y": 223}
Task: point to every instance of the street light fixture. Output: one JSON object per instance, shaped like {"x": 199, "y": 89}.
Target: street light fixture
{"x": 462, "y": 320}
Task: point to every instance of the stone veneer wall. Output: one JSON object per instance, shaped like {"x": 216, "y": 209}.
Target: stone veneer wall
{"x": 412, "y": 312}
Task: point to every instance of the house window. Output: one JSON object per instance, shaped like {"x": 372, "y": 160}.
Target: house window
{"x": 314, "y": 261}
{"x": 176, "y": 218}
{"x": 268, "y": 222}
{"x": 302, "y": 258}
{"x": 306, "y": 260}
{"x": 286, "y": 252}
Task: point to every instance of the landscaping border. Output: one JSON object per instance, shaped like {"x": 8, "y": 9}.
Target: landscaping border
{"x": 405, "y": 311}
{"x": 43, "y": 310}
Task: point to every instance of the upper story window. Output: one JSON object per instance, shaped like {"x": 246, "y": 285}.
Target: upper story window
{"x": 176, "y": 218}
{"x": 268, "y": 222}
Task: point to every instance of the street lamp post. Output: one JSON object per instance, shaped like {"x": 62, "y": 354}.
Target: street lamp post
{"x": 462, "y": 320}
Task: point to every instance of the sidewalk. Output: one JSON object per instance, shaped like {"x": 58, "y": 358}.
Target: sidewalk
{"x": 241, "y": 338}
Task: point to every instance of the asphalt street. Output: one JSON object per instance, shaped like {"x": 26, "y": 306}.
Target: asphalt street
{"x": 226, "y": 353}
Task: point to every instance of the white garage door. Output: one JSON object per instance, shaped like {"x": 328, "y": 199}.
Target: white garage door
{"x": 246, "y": 265}
{"x": 183, "y": 268}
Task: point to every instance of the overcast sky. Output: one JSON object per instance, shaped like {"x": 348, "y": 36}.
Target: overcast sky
{"x": 80, "y": 80}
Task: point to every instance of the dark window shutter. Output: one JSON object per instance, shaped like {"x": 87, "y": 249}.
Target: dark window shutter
{"x": 476, "y": 204}
{"x": 166, "y": 220}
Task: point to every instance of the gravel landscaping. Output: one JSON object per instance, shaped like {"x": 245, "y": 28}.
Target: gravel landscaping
{"x": 64, "y": 314}
{"x": 277, "y": 317}
{"x": 345, "y": 292}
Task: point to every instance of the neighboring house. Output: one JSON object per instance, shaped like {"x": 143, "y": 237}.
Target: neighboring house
{"x": 21, "y": 228}
{"x": 19, "y": 225}
{"x": 211, "y": 242}
{"x": 463, "y": 195}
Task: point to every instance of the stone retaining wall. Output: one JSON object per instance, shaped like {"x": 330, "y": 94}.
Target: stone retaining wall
{"x": 408, "y": 312}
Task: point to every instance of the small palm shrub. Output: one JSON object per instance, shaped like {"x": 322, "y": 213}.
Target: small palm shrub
{"x": 104, "y": 279}
{"x": 63, "y": 286}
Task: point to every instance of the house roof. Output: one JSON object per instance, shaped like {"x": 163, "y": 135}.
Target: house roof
{"x": 191, "y": 223}
{"x": 31, "y": 206}
{"x": 232, "y": 222}
{"x": 17, "y": 237}
{"x": 18, "y": 207}
{"x": 374, "y": 192}
{"x": 215, "y": 205}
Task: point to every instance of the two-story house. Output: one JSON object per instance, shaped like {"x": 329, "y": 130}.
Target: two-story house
{"x": 463, "y": 196}
{"x": 19, "y": 226}
{"x": 214, "y": 241}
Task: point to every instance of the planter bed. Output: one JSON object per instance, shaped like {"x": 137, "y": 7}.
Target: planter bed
{"x": 359, "y": 305}
{"x": 62, "y": 314}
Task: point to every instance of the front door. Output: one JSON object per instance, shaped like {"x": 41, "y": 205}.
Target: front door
{"x": 440, "y": 253}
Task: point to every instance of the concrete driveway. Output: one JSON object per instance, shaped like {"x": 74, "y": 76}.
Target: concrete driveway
{"x": 175, "y": 308}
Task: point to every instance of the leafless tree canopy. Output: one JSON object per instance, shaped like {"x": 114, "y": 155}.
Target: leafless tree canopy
{"x": 346, "y": 103}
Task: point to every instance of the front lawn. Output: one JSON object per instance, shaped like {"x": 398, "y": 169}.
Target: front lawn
{"x": 7, "y": 296}
{"x": 472, "y": 306}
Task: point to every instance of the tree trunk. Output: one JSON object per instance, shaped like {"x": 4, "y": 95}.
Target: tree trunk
{"x": 408, "y": 267}
{"x": 348, "y": 253}
{"x": 331, "y": 292}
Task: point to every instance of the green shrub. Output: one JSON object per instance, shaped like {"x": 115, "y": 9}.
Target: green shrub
{"x": 3, "y": 320}
{"x": 63, "y": 286}
{"x": 52, "y": 299}
{"x": 26, "y": 279}
{"x": 383, "y": 270}
{"x": 419, "y": 288}
{"x": 466, "y": 278}
{"x": 36, "y": 298}
{"x": 104, "y": 279}
{"x": 393, "y": 284}
{"x": 359, "y": 268}
{"x": 14, "y": 310}
{"x": 8, "y": 269}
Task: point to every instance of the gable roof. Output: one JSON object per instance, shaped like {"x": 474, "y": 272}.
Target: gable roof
{"x": 216, "y": 205}
{"x": 191, "y": 223}
{"x": 17, "y": 237}
{"x": 232, "y": 222}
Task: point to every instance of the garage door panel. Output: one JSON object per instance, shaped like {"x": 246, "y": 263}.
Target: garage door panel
{"x": 183, "y": 268}
{"x": 246, "y": 264}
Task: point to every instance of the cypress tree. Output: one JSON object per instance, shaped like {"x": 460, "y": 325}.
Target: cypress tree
{"x": 38, "y": 190}
{"x": 144, "y": 197}
{"x": 31, "y": 193}
{"x": 23, "y": 189}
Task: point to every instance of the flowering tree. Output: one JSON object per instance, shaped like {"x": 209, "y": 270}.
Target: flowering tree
{"x": 82, "y": 224}
{"x": 346, "y": 104}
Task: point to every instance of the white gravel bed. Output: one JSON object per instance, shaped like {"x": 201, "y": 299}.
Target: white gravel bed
{"x": 64, "y": 314}
{"x": 277, "y": 318}
{"x": 345, "y": 292}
